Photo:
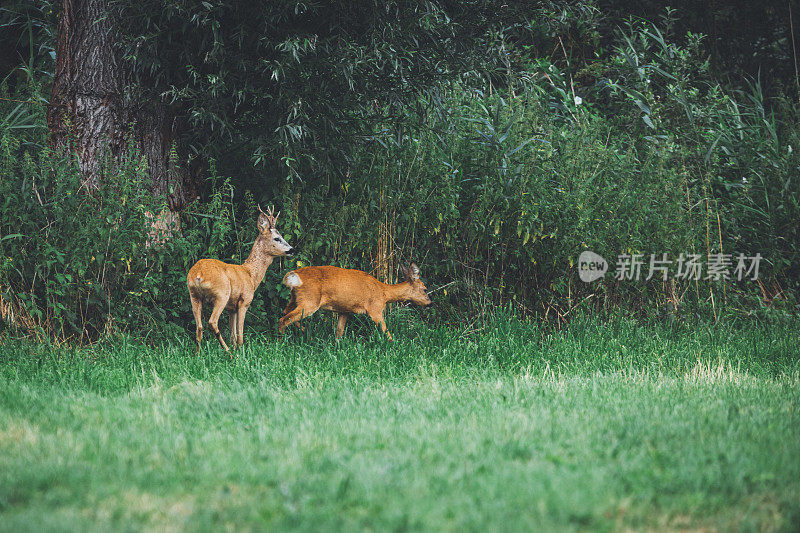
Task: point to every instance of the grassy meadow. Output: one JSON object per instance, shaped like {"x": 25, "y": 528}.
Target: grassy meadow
{"x": 492, "y": 143}
{"x": 600, "y": 426}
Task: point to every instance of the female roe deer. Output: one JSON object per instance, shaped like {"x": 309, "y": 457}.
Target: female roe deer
{"x": 347, "y": 292}
{"x": 231, "y": 287}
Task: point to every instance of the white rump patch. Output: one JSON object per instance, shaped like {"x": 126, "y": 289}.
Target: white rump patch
{"x": 292, "y": 280}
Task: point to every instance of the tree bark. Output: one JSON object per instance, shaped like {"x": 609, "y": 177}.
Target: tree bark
{"x": 87, "y": 111}
{"x": 93, "y": 114}
{"x": 173, "y": 177}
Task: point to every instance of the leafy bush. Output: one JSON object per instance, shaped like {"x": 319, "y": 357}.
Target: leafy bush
{"x": 501, "y": 190}
{"x": 494, "y": 189}
{"x": 70, "y": 258}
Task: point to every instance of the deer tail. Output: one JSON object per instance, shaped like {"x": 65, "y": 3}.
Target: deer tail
{"x": 292, "y": 280}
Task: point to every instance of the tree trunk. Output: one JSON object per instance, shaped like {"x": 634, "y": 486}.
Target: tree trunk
{"x": 173, "y": 178}
{"x": 91, "y": 110}
{"x": 87, "y": 111}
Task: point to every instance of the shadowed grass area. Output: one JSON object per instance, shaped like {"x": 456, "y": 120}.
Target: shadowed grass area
{"x": 601, "y": 425}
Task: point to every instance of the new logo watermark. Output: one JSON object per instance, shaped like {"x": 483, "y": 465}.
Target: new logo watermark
{"x": 716, "y": 267}
{"x": 591, "y": 266}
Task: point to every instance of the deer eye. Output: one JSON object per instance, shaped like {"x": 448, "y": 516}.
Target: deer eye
{"x": 277, "y": 239}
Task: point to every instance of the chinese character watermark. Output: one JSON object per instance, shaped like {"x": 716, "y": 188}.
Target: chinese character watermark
{"x": 716, "y": 267}
{"x": 689, "y": 266}
{"x": 629, "y": 266}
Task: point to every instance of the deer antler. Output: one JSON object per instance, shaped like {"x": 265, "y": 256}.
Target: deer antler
{"x": 273, "y": 218}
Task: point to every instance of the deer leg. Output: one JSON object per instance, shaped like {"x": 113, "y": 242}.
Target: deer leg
{"x": 294, "y": 315}
{"x": 240, "y": 324}
{"x": 219, "y": 305}
{"x": 234, "y": 325}
{"x": 291, "y": 305}
{"x": 340, "y": 325}
{"x": 377, "y": 317}
{"x": 197, "y": 311}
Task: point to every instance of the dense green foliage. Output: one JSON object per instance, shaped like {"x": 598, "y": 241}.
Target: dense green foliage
{"x": 743, "y": 39}
{"x": 81, "y": 267}
{"x": 281, "y": 80}
{"x": 602, "y": 425}
{"x": 494, "y": 172}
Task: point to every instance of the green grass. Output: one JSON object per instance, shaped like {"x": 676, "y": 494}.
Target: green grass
{"x": 600, "y": 426}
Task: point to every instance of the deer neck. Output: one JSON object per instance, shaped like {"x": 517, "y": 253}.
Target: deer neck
{"x": 258, "y": 261}
{"x": 397, "y": 292}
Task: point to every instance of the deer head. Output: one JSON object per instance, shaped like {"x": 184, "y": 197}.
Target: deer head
{"x": 417, "y": 294}
{"x": 274, "y": 243}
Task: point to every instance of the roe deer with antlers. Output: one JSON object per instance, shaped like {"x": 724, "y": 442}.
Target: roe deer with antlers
{"x": 348, "y": 292}
{"x": 231, "y": 287}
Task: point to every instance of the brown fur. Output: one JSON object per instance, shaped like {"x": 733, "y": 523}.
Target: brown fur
{"x": 231, "y": 287}
{"x": 347, "y": 292}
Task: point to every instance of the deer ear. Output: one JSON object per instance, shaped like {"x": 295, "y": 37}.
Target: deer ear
{"x": 263, "y": 222}
{"x": 404, "y": 272}
{"x": 414, "y": 271}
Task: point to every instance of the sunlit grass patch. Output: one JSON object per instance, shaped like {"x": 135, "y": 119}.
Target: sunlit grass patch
{"x": 598, "y": 426}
